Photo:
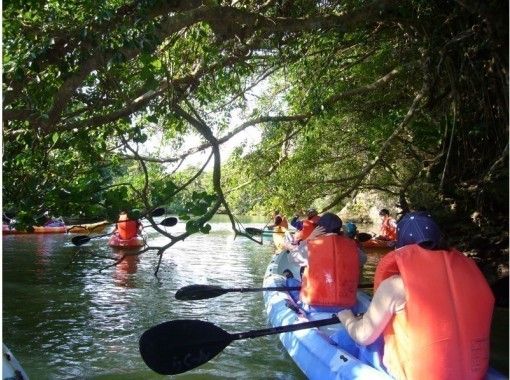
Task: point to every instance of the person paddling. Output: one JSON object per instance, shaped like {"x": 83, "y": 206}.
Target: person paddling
{"x": 306, "y": 226}
{"x": 388, "y": 229}
{"x": 432, "y": 307}
{"x": 127, "y": 228}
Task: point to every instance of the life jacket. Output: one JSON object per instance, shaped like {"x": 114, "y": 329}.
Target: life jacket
{"x": 332, "y": 275}
{"x": 388, "y": 229}
{"x": 126, "y": 228}
{"x": 308, "y": 226}
{"x": 443, "y": 331}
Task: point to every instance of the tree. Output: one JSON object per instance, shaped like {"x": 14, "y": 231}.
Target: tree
{"x": 379, "y": 95}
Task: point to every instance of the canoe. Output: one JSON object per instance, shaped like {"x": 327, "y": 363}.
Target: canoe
{"x": 116, "y": 242}
{"x": 11, "y": 369}
{"x": 88, "y": 228}
{"x": 326, "y": 352}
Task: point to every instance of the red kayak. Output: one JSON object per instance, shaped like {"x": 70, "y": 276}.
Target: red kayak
{"x": 378, "y": 244}
{"x": 135, "y": 242}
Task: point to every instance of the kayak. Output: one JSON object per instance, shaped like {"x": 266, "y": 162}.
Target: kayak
{"x": 6, "y": 230}
{"x": 326, "y": 352}
{"x": 135, "y": 242}
{"x": 319, "y": 352}
{"x": 50, "y": 230}
{"x": 11, "y": 369}
{"x": 377, "y": 245}
{"x": 88, "y": 228}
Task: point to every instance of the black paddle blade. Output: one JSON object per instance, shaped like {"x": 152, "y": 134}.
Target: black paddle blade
{"x": 199, "y": 292}
{"x": 169, "y": 222}
{"x": 80, "y": 239}
{"x": 160, "y": 211}
{"x": 178, "y": 346}
{"x": 253, "y": 231}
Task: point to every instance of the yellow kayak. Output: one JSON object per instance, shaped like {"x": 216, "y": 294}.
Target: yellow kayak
{"x": 88, "y": 228}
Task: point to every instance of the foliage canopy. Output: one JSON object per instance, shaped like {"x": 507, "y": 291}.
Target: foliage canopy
{"x": 393, "y": 96}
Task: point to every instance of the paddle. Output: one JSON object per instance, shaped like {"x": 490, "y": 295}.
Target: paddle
{"x": 169, "y": 222}
{"x": 253, "y": 231}
{"x": 258, "y": 231}
{"x": 201, "y": 292}
{"x": 178, "y": 346}
{"x": 82, "y": 239}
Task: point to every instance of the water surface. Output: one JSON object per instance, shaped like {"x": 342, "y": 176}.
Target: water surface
{"x": 68, "y": 315}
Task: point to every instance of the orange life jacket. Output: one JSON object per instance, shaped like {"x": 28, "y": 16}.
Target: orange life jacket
{"x": 388, "y": 229}
{"x": 331, "y": 278}
{"x": 308, "y": 226}
{"x": 443, "y": 331}
{"x": 126, "y": 228}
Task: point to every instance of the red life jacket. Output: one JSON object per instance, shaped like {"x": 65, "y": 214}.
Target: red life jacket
{"x": 443, "y": 331}
{"x": 308, "y": 226}
{"x": 388, "y": 229}
{"x": 126, "y": 228}
{"x": 332, "y": 276}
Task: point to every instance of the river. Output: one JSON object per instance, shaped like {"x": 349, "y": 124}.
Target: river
{"x": 67, "y": 315}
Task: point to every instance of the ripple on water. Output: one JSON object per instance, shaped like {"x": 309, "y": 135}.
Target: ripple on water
{"x": 67, "y": 315}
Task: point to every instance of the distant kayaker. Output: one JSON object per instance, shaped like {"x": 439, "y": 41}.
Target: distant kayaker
{"x": 279, "y": 233}
{"x": 306, "y": 226}
{"x": 279, "y": 220}
{"x": 50, "y": 221}
{"x": 388, "y": 229}
{"x": 127, "y": 228}
{"x": 432, "y": 306}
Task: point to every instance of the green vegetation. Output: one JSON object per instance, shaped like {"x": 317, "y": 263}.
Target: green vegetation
{"x": 408, "y": 98}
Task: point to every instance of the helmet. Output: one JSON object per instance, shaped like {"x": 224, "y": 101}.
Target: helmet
{"x": 350, "y": 229}
{"x": 418, "y": 227}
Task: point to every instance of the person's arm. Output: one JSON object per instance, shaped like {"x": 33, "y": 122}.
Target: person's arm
{"x": 388, "y": 299}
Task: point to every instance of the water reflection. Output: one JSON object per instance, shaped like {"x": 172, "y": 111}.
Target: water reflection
{"x": 126, "y": 265}
{"x": 69, "y": 314}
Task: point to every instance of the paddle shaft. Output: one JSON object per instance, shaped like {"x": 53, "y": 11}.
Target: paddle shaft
{"x": 200, "y": 292}
{"x": 276, "y": 288}
{"x": 282, "y": 329}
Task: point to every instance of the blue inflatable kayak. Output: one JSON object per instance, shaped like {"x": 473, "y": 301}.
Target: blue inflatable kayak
{"x": 326, "y": 352}
{"x": 11, "y": 369}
